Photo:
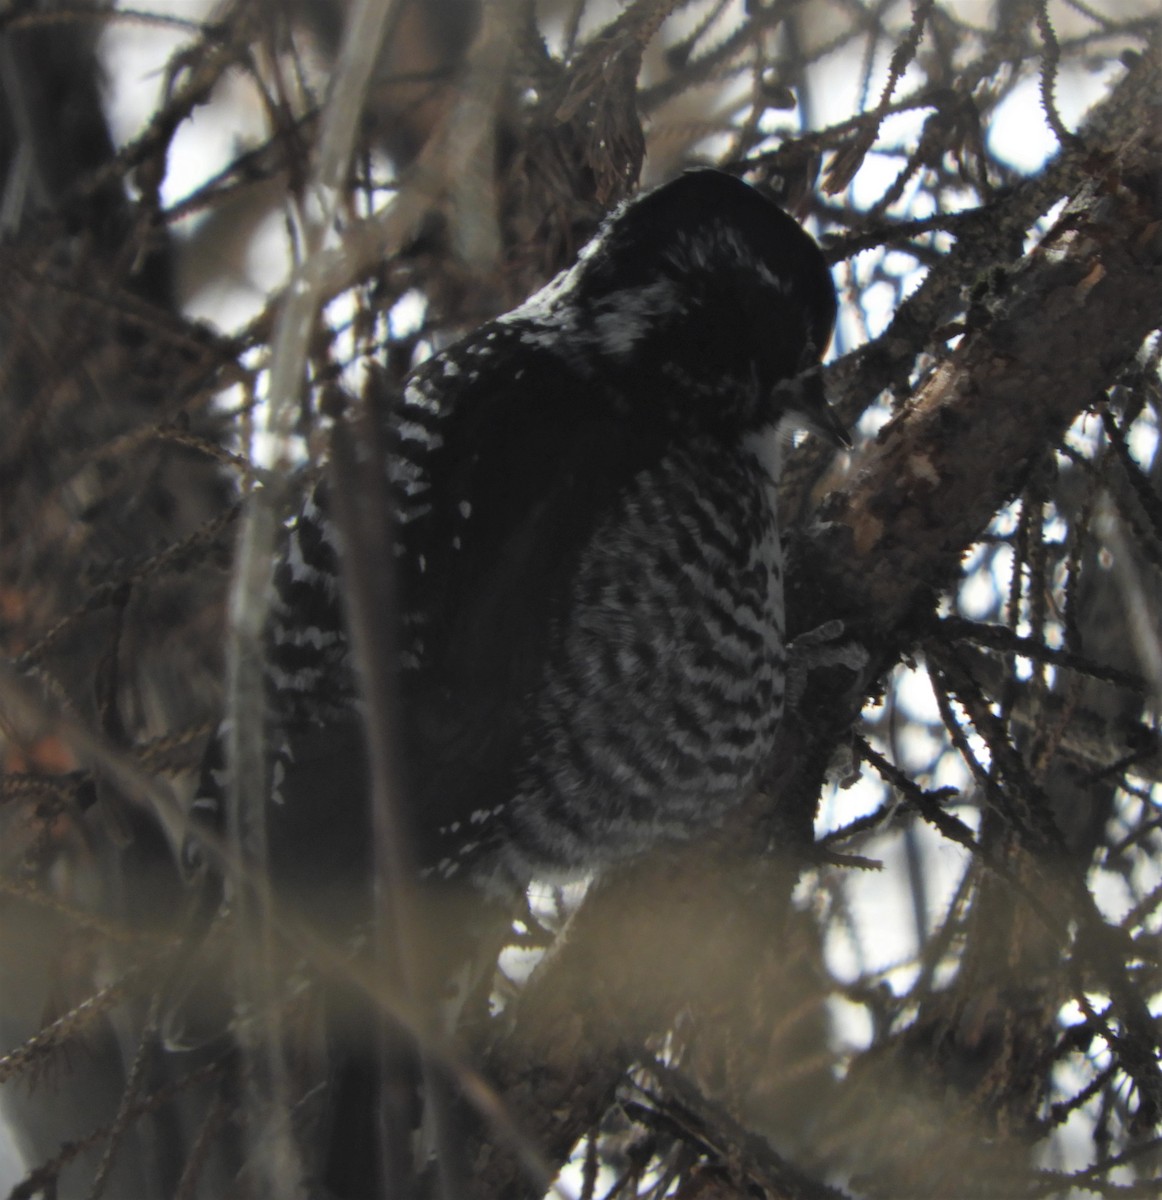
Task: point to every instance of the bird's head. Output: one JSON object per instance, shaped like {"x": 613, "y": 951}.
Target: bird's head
{"x": 708, "y": 287}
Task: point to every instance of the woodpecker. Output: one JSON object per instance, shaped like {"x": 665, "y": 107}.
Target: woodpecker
{"x": 591, "y": 620}
{"x": 588, "y": 571}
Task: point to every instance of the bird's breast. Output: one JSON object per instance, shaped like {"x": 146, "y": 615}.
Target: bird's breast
{"x": 664, "y": 688}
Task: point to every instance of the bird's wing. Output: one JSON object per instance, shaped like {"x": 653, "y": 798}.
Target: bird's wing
{"x": 531, "y": 454}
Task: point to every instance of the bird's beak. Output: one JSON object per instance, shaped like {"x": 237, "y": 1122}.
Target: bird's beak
{"x": 825, "y": 421}
{"x": 806, "y": 403}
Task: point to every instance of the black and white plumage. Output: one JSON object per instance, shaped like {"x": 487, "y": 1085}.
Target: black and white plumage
{"x": 589, "y": 572}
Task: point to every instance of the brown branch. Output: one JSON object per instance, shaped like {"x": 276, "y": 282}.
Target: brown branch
{"x": 1078, "y": 308}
